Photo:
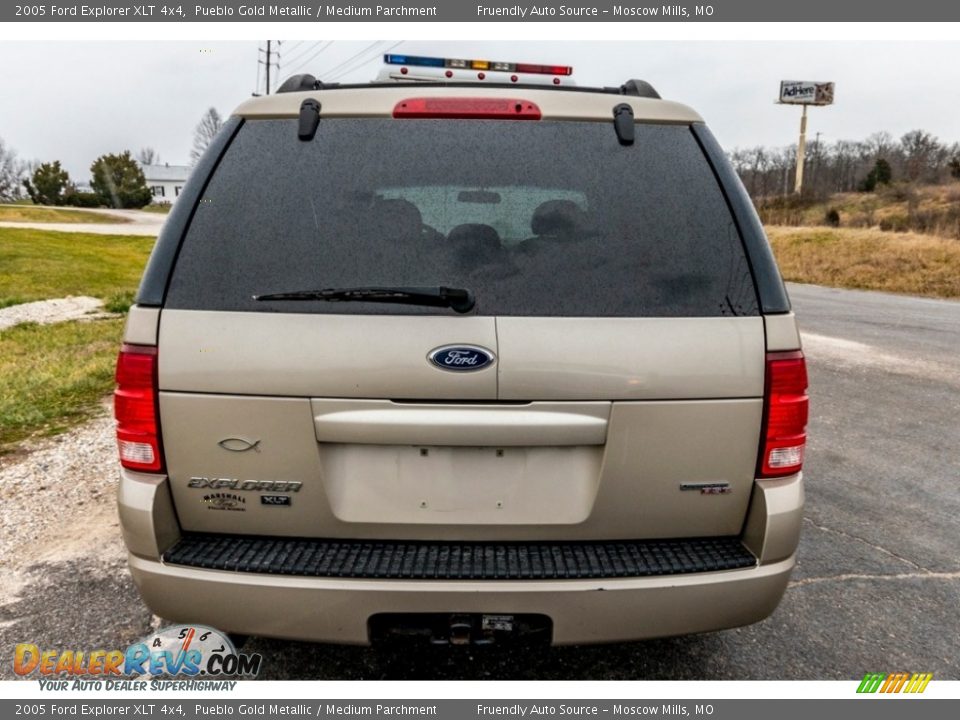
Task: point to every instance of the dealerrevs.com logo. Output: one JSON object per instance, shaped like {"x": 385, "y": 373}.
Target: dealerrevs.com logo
{"x": 191, "y": 651}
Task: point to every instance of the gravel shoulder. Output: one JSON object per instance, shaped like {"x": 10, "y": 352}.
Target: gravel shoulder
{"x": 47, "y": 312}
{"x": 65, "y": 580}
{"x": 58, "y": 499}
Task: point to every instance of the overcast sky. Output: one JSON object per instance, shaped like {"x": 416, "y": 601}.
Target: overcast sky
{"x": 74, "y": 101}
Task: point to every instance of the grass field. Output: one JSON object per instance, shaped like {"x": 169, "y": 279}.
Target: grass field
{"x": 38, "y": 264}
{"x": 54, "y": 376}
{"x": 40, "y": 214}
{"x": 869, "y": 259}
{"x": 159, "y": 209}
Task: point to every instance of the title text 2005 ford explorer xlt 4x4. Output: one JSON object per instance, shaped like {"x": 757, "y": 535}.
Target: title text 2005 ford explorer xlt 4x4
{"x": 467, "y": 358}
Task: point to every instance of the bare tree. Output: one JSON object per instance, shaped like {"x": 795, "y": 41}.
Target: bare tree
{"x": 148, "y": 156}
{"x": 924, "y": 156}
{"x": 11, "y": 173}
{"x": 880, "y": 145}
{"x": 206, "y": 130}
{"x": 846, "y": 165}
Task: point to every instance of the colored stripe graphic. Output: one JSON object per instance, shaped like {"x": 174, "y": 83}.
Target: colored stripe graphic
{"x": 871, "y": 682}
{"x": 894, "y": 682}
{"x": 918, "y": 683}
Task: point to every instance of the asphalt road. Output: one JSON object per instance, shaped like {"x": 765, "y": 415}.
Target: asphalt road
{"x": 877, "y": 586}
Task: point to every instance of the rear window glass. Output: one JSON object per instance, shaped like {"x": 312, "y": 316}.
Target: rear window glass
{"x": 534, "y": 218}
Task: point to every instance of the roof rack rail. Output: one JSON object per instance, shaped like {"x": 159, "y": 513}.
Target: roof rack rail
{"x": 305, "y": 82}
{"x": 639, "y": 88}
{"x": 302, "y": 82}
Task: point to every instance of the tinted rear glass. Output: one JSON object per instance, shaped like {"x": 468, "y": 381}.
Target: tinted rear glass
{"x": 535, "y": 218}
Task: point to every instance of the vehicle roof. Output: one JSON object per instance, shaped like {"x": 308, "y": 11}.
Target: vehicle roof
{"x": 554, "y": 104}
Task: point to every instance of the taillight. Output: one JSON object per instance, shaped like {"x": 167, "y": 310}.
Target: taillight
{"x": 784, "y": 415}
{"x": 467, "y": 108}
{"x": 135, "y": 406}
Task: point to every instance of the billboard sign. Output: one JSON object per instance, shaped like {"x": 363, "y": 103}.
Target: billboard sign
{"x": 798, "y": 92}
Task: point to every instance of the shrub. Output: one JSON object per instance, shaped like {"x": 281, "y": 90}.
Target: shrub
{"x": 895, "y": 223}
{"x": 82, "y": 199}
{"x": 880, "y": 174}
{"x": 899, "y": 192}
{"x": 47, "y": 184}
{"x": 119, "y": 302}
{"x": 119, "y": 182}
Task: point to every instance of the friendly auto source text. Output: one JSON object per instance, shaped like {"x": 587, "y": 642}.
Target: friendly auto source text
{"x": 534, "y": 709}
{"x": 631, "y": 11}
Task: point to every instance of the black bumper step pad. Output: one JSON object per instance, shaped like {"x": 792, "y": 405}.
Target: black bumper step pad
{"x": 431, "y": 560}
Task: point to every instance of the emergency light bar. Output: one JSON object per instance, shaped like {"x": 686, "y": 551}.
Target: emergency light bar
{"x": 458, "y": 64}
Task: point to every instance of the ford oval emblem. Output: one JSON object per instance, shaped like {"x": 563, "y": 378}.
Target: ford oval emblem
{"x": 460, "y": 358}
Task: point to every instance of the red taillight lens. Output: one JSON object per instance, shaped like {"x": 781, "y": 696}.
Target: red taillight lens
{"x": 785, "y": 414}
{"x": 135, "y": 408}
{"x": 544, "y": 69}
{"x": 468, "y": 108}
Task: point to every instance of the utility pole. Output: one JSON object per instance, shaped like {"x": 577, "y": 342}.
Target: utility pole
{"x": 266, "y": 58}
{"x": 268, "y": 80}
{"x": 816, "y": 160}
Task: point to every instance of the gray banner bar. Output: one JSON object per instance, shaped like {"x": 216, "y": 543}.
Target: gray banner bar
{"x": 484, "y": 10}
{"x": 188, "y": 709}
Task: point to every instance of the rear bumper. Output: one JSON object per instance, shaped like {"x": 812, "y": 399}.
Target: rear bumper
{"x": 582, "y": 611}
{"x": 338, "y": 610}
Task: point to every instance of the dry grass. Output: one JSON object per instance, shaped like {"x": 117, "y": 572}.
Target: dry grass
{"x": 901, "y": 207}
{"x": 39, "y": 214}
{"x": 869, "y": 259}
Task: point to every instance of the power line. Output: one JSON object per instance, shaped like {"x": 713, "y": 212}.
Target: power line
{"x": 301, "y": 53}
{"x": 311, "y": 58}
{"x": 331, "y": 70}
{"x": 361, "y": 63}
{"x": 358, "y": 61}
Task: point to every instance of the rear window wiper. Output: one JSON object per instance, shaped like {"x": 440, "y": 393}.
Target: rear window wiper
{"x": 457, "y": 299}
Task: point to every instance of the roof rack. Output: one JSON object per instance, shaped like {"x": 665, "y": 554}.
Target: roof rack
{"x": 301, "y": 83}
{"x": 305, "y": 82}
{"x": 639, "y": 88}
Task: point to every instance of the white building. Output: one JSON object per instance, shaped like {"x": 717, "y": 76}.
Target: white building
{"x": 165, "y": 181}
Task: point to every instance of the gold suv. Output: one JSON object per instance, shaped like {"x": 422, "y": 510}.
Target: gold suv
{"x": 467, "y": 356}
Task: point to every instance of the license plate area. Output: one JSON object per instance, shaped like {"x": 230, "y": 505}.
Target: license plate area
{"x": 460, "y": 628}
{"x": 461, "y": 485}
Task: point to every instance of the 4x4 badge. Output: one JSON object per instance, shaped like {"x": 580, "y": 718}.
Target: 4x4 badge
{"x": 460, "y": 358}
{"x": 708, "y": 488}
